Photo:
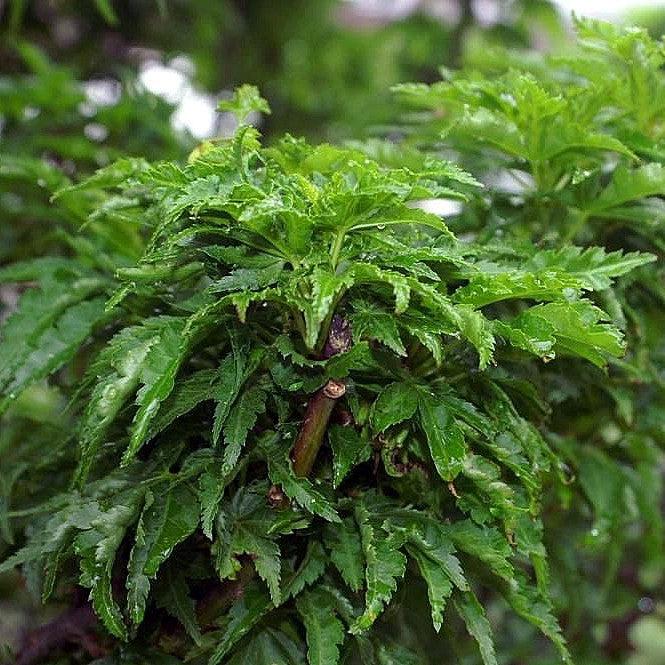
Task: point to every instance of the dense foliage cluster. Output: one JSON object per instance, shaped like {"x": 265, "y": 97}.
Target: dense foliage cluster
{"x": 572, "y": 150}
{"x": 265, "y": 408}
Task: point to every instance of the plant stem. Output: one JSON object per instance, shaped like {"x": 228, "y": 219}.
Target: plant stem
{"x": 337, "y": 248}
{"x": 317, "y": 415}
{"x": 321, "y": 404}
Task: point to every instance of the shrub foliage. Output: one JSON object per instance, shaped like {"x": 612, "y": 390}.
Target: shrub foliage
{"x": 302, "y": 412}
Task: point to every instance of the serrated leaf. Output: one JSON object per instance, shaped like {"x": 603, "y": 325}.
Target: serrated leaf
{"x": 372, "y": 323}
{"x": 530, "y": 605}
{"x": 444, "y": 436}
{"x": 366, "y": 273}
{"x": 484, "y": 289}
{"x": 500, "y": 496}
{"x": 324, "y": 631}
{"x": 630, "y": 184}
{"x": 592, "y": 265}
{"x": 384, "y": 565}
{"x": 396, "y": 403}
{"x": 300, "y": 490}
{"x": 325, "y": 288}
{"x": 158, "y": 372}
{"x": 349, "y": 449}
{"x": 394, "y": 653}
{"x": 109, "y": 176}
{"x": 185, "y": 396}
{"x": 241, "y": 419}
{"x": 97, "y": 548}
{"x": 478, "y": 330}
{"x": 231, "y": 374}
{"x": 439, "y": 586}
{"x": 47, "y": 329}
{"x": 173, "y": 596}
{"x": 434, "y": 542}
{"x": 122, "y": 361}
{"x": 167, "y": 519}
{"x": 578, "y": 329}
{"x": 531, "y": 334}
{"x": 473, "y": 614}
{"x": 309, "y": 571}
{"x": 269, "y": 647}
{"x": 212, "y": 484}
{"x": 246, "y": 100}
{"x": 246, "y": 526}
{"x": 346, "y": 553}
{"x": 243, "y": 616}
{"x": 484, "y": 542}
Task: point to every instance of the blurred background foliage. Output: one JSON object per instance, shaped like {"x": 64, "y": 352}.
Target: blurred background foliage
{"x": 83, "y": 82}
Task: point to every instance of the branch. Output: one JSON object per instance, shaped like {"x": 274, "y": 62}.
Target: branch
{"x": 321, "y": 404}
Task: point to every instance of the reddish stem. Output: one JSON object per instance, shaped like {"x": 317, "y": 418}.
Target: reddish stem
{"x": 321, "y": 404}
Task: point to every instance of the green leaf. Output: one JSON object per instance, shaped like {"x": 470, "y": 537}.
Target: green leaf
{"x": 249, "y": 279}
{"x": 499, "y": 496}
{"x": 49, "y": 326}
{"x": 246, "y": 100}
{"x": 476, "y": 622}
{"x": 484, "y": 289}
{"x": 241, "y": 419}
{"x": 105, "y": 8}
{"x": 309, "y": 571}
{"x": 403, "y": 214}
{"x": 370, "y": 322}
{"x": 384, "y": 565}
{"x": 246, "y": 526}
{"x": 243, "y": 616}
{"x": 212, "y": 484}
{"x": 592, "y": 265}
{"x": 231, "y": 374}
{"x": 97, "y": 548}
{"x": 168, "y": 518}
{"x": 346, "y": 553}
{"x": 325, "y": 632}
{"x": 366, "y": 273}
{"x": 122, "y": 363}
{"x": 434, "y": 542}
{"x": 396, "y": 403}
{"x": 578, "y": 329}
{"x": 325, "y": 288}
{"x": 109, "y": 176}
{"x": 444, "y": 436}
{"x": 185, "y": 396}
{"x": 172, "y": 595}
{"x": 268, "y": 647}
{"x": 531, "y": 334}
{"x": 349, "y": 449}
{"x": 300, "y": 490}
{"x": 629, "y": 185}
{"x": 394, "y": 653}
{"x": 158, "y": 372}
{"x": 439, "y": 586}
{"x": 485, "y": 543}
{"x": 530, "y": 605}
{"x": 478, "y": 330}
